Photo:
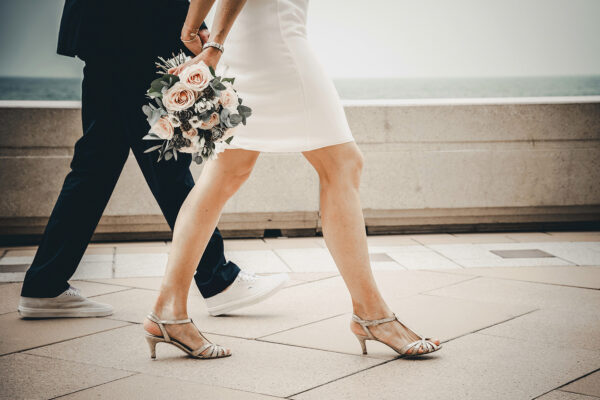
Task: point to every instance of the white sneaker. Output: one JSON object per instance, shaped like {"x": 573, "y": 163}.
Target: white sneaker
{"x": 246, "y": 289}
{"x": 69, "y": 303}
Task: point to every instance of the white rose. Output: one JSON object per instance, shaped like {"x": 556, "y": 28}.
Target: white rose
{"x": 228, "y": 97}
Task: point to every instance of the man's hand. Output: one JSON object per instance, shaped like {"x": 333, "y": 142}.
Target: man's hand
{"x": 195, "y": 46}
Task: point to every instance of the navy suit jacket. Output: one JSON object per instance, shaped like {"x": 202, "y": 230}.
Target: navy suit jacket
{"x": 103, "y": 28}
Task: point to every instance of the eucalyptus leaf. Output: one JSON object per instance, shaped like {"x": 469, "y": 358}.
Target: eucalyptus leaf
{"x": 151, "y": 136}
{"x": 168, "y": 155}
{"x": 151, "y": 149}
{"x": 244, "y": 110}
{"x": 147, "y": 110}
{"x": 228, "y": 140}
{"x": 216, "y": 84}
{"x": 212, "y": 70}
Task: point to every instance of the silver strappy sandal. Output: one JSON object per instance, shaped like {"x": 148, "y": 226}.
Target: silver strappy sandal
{"x": 426, "y": 344}
{"x": 209, "y": 350}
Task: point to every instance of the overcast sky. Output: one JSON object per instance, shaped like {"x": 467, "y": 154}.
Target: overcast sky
{"x": 379, "y": 38}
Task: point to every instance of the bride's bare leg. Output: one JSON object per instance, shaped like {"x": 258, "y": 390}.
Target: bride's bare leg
{"x": 339, "y": 168}
{"x": 196, "y": 221}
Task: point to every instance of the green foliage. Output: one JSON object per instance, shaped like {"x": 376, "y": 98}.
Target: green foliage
{"x": 151, "y": 149}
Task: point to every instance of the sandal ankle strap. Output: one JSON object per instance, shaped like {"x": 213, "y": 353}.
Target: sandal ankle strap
{"x": 372, "y": 322}
{"x": 154, "y": 318}
{"x": 365, "y": 323}
{"x": 161, "y": 324}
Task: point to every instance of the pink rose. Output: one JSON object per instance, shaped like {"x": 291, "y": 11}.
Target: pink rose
{"x": 214, "y": 120}
{"x": 229, "y": 98}
{"x": 191, "y": 134}
{"x": 196, "y": 76}
{"x": 163, "y": 128}
{"x": 179, "y": 98}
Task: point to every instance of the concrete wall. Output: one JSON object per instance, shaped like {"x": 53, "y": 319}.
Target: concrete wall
{"x": 430, "y": 165}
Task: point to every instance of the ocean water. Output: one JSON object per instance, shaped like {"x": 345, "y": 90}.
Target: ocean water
{"x": 357, "y": 89}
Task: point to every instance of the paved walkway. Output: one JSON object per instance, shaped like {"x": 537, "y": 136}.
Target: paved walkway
{"x": 518, "y": 312}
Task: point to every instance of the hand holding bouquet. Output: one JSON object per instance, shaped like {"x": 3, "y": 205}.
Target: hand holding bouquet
{"x": 193, "y": 112}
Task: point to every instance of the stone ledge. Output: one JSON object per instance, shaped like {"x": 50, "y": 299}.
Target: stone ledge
{"x": 431, "y": 165}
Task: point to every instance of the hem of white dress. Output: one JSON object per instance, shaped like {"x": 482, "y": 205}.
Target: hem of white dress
{"x": 284, "y": 150}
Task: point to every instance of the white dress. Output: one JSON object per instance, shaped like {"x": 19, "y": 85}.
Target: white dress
{"x": 295, "y": 106}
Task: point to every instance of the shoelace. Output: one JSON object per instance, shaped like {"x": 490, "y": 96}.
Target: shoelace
{"x": 247, "y": 276}
{"x": 73, "y": 291}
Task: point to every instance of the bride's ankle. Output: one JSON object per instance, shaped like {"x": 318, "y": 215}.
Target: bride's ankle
{"x": 371, "y": 312}
{"x": 170, "y": 309}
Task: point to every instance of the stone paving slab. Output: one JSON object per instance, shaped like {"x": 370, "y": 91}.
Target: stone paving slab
{"x": 422, "y": 260}
{"x": 307, "y": 260}
{"x": 26, "y": 376}
{"x": 9, "y": 297}
{"x": 132, "y": 265}
{"x": 255, "y": 366}
{"x": 483, "y": 237}
{"x": 149, "y": 387}
{"x": 560, "y": 395}
{"x": 580, "y": 253}
{"x": 257, "y": 260}
{"x": 141, "y": 282}
{"x": 589, "y": 385}
{"x": 17, "y": 334}
{"x": 397, "y": 285}
{"x": 480, "y": 255}
{"x": 583, "y": 277}
{"x": 87, "y": 270}
{"x": 295, "y": 243}
{"x": 472, "y": 367}
{"x": 443, "y": 318}
{"x": 517, "y": 292}
{"x": 556, "y": 327}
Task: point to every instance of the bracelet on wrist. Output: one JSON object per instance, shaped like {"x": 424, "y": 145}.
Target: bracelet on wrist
{"x": 216, "y": 45}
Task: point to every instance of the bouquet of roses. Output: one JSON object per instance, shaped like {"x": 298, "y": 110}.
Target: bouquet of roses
{"x": 193, "y": 112}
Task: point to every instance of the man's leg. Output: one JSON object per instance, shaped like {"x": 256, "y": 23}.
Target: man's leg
{"x": 97, "y": 163}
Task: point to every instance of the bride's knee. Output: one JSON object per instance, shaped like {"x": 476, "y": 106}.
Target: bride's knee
{"x": 233, "y": 178}
{"x": 344, "y": 171}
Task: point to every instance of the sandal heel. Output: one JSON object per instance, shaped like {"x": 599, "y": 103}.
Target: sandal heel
{"x": 152, "y": 345}
{"x": 363, "y": 343}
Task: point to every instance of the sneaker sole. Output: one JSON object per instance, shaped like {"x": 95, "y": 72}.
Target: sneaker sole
{"x": 247, "y": 301}
{"x": 26, "y": 312}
